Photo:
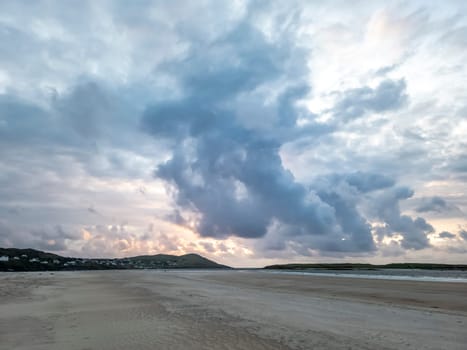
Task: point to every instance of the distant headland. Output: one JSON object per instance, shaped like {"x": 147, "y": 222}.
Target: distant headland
{"x": 356, "y": 266}
{"x": 13, "y": 259}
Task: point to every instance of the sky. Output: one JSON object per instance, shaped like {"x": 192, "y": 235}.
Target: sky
{"x": 251, "y": 132}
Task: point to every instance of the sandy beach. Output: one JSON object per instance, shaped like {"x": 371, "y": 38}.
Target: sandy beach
{"x": 226, "y": 310}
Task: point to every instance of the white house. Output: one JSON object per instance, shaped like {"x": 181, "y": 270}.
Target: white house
{"x": 4, "y": 258}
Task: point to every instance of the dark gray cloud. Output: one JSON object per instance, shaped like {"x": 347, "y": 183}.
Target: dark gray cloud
{"x": 355, "y": 230}
{"x": 367, "y": 182}
{"x": 385, "y": 207}
{"x": 459, "y": 164}
{"x": 85, "y": 109}
{"x": 92, "y": 210}
{"x": 437, "y": 205}
{"x": 354, "y": 103}
{"x": 22, "y": 120}
{"x": 446, "y": 234}
{"x": 208, "y": 246}
{"x": 352, "y": 231}
{"x": 232, "y": 175}
{"x": 463, "y": 234}
{"x": 216, "y": 158}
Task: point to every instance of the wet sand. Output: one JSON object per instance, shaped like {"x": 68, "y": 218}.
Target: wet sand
{"x": 226, "y": 310}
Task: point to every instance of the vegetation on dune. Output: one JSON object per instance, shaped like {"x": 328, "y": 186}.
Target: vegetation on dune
{"x": 356, "y": 266}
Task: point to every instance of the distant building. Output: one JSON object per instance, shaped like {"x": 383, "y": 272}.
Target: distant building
{"x": 4, "y": 258}
{"x": 16, "y": 258}
{"x": 33, "y": 260}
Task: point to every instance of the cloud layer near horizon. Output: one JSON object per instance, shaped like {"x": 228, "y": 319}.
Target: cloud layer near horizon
{"x": 255, "y": 130}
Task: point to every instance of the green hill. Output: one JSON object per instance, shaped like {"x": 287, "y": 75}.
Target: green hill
{"x": 36, "y": 260}
{"x": 191, "y": 261}
{"x": 31, "y": 253}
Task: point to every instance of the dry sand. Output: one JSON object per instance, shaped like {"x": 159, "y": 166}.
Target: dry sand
{"x": 226, "y": 310}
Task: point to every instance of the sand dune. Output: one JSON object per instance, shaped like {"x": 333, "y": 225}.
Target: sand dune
{"x": 226, "y": 310}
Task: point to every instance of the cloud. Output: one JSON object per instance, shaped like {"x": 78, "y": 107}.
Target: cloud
{"x": 367, "y": 182}
{"x": 92, "y": 210}
{"x": 46, "y": 238}
{"x": 446, "y": 234}
{"x": 208, "y": 246}
{"x": 459, "y": 164}
{"x": 354, "y": 103}
{"x": 258, "y": 123}
{"x": 230, "y": 175}
{"x": 385, "y": 206}
{"x": 435, "y": 204}
{"x": 55, "y": 150}
{"x": 432, "y": 204}
{"x": 85, "y": 108}
{"x": 215, "y": 156}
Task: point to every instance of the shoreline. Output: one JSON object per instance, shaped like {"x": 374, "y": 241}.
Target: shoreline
{"x": 399, "y": 276}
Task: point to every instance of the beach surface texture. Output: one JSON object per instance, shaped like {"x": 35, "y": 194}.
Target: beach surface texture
{"x": 227, "y": 310}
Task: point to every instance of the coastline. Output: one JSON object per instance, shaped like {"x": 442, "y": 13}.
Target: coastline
{"x": 384, "y": 274}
